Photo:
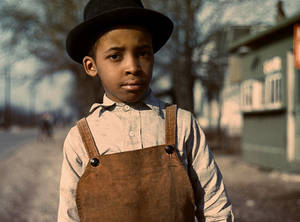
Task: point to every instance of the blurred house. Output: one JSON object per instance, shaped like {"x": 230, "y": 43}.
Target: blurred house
{"x": 227, "y": 109}
{"x": 263, "y": 65}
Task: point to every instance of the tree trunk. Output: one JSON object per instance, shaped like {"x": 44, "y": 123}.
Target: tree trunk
{"x": 184, "y": 79}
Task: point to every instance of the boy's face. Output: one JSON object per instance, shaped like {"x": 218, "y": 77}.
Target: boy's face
{"x": 124, "y": 62}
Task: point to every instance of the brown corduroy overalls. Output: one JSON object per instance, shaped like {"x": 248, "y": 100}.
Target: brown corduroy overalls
{"x": 146, "y": 185}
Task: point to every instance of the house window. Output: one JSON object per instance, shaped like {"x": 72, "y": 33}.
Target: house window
{"x": 273, "y": 91}
{"x": 251, "y": 95}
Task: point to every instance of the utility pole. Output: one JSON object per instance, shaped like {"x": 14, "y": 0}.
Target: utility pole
{"x": 7, "y": 108}
{"x": 32, "y": 103}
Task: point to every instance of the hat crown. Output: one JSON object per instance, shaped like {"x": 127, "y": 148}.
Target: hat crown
{"x": 96, "y": 7}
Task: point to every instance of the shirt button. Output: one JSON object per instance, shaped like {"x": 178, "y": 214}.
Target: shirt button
{"x": 169, "y": 149}
{"x": 131, "y": 133}
{"x": 94, "y": 162}
{"x": 126, "y": 108}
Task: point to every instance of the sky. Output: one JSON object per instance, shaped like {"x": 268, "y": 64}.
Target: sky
{"x": 49, "y": 94}
{"x": 52, "y": 91}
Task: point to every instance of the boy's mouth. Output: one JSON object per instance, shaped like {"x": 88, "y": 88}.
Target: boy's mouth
{"x": 132, "y": 84}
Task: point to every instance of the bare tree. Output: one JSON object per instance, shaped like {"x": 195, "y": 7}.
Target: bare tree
{"x": 186, "y": 47}
{"x": 38, "y": 29}
{"x": 176, "y": 58}
{"x": 182, "y": 58}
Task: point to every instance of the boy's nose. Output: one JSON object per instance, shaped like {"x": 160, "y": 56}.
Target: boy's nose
{"x": 133, "y": 66}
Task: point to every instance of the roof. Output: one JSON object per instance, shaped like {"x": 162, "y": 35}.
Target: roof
{"x": 281, "y": 29}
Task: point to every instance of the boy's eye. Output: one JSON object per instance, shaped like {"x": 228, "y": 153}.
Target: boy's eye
{"x": 114, "y": 57}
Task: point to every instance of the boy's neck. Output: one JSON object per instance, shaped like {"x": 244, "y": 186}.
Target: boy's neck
{"x": 108, "y": 100}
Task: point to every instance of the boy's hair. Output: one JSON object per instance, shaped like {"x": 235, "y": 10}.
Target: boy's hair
{"x": 92, "y": 50}
{"x": 101, "y": 15}
{"x": 92, "y": 53}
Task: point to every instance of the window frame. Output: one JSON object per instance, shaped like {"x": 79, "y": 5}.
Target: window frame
{"x": 251, "y": 95}
{"x": 273, "y": 95}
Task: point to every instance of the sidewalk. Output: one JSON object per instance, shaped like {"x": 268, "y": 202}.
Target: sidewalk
{"x": 30, "y": 181}
{"x": 258, "y": 195}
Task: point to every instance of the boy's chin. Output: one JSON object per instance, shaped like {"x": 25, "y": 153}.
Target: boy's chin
{"x": 127, "y": 97}
{"x": 133, "y": 98}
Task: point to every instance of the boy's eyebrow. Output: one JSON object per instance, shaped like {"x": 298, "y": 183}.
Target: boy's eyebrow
{"x": 114, "y": 49}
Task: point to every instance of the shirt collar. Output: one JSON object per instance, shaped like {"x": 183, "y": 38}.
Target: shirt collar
{"x": 148, "y": 99}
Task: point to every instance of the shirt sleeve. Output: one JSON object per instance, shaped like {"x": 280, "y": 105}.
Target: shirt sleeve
{"x": 210, "y": 194}
{"x": 70, "y": 173}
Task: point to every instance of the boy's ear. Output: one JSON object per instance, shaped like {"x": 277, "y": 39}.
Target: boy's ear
{"x": 89, "y": 66}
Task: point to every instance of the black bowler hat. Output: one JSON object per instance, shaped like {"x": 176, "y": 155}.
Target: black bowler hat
{"x": 101, "y": 15}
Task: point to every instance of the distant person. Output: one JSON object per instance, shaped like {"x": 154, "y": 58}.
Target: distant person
{"x": 46, "y": 129}
{"x": 134, "y": 158}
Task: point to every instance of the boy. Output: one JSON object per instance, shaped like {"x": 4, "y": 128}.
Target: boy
{"x": 134, "y": 158}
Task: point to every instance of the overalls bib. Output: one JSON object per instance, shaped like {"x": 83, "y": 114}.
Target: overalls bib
{"x": 146, "y": 185}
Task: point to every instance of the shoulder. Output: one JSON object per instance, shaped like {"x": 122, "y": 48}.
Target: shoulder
{"x": 184, "y": 115}
{"x": 187, "y": 124}
{"x": 185, "y": 120}
{"x": 73, "y": 142}
{"x": 72, "y": 137}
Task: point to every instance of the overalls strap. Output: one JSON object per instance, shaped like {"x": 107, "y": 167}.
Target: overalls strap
{"x": 170, "y": 131}
{"x": 90, "y": 145}
{"x": 87, "y": 138}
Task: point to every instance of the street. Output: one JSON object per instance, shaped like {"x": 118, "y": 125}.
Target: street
{"x": 29, "y": 185}
{"x": 10, "y": 140}
{"x": 30, "y": 177}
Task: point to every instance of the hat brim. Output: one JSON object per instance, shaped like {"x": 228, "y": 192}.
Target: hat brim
{"x": 82, "y": 37}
